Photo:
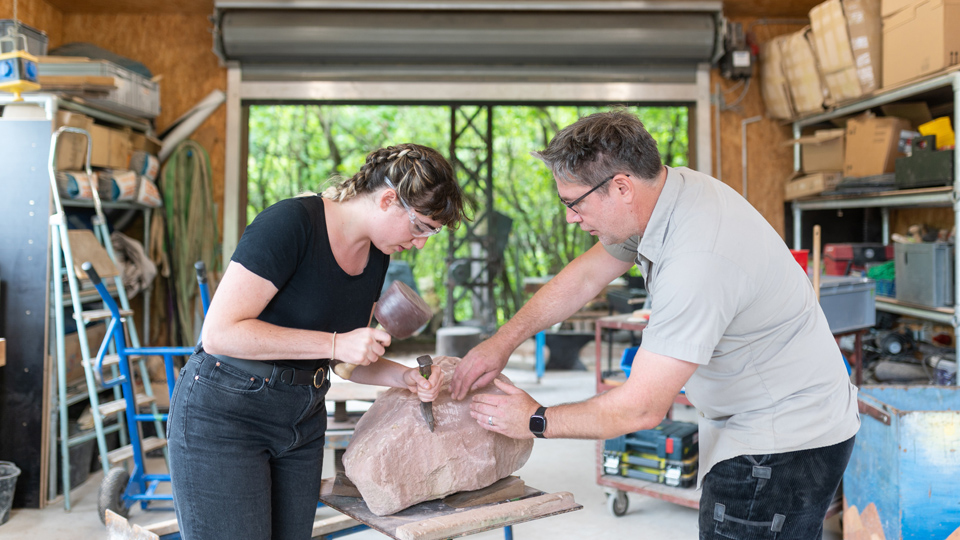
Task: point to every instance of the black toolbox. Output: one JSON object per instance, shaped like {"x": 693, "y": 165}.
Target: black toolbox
{"x": 926, "y": 166}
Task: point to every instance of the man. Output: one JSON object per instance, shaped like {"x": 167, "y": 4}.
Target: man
{"x": 734, "y": 319}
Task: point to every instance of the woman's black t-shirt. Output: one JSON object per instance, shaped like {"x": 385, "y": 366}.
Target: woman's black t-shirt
{"x": 288, "y": 245}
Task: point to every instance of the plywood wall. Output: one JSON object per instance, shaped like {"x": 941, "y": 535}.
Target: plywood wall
{"x": 769, "y": 162}
{"x": 178, "y": 47}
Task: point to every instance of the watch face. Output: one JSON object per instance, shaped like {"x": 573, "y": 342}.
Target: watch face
{"x": 537, "y": 424}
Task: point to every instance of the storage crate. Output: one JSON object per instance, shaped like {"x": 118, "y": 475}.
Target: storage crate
{"x": 907, "y": 462}
{"x": 848, "y": 302}
{"x": 36, "y": 39}
{"x": 924, "y": 273}
{"x": 135, "y": 94}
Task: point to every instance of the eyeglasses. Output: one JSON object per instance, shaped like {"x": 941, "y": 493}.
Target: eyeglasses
{"x": 417, "y": 227}
{"x": 571, "y": 205}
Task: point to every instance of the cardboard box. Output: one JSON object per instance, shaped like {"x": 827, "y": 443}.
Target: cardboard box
{"x": 811, "y": 184}
{"x": 111, "y": 147}
{"x": 920, "y": 39}
{"x": 800, "y": 66}
{"x": 846, "y": 37}
{"x": 72, "y": 354}
{"x": 773, "y": 81}
{"x": 72, "y": 147}
{"x": 140, "y": 141}
{"x": 822, "y": 151}
{"x": 889, "y": 7}
{"x": 872, "y": 145}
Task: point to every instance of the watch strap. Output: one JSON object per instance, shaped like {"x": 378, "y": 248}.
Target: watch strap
{"x": 541, "y": 412}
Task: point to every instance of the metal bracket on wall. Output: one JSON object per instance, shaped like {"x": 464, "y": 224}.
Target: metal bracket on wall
{"x": 873, "y": 412}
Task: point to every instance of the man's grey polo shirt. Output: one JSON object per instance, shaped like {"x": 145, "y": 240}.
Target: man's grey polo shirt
{"x": 728, "y": 295}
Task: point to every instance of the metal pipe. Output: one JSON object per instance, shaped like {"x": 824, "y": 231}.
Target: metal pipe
{"x": 885, "y": 219}
{"x": 743, "y": 147}
{"x": 956, "y": 210}
{"x": 796, "y": 225}
{"x": 796, "y": 148}
{"x": 718, "y": 102}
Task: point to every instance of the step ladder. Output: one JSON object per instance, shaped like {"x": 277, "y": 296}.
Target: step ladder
{"x": 94, "y": 246}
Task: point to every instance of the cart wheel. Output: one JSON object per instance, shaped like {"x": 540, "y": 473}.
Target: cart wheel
{"x": 110, "y": 496}
{"x": 618, "y": 503}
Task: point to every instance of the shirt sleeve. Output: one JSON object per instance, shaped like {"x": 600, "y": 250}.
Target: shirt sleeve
{"x": 695, "y": 299}
{"x": 271, "y": 246}
{"x": 626, "y": 251}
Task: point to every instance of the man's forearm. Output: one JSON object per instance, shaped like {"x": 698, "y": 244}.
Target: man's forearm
{"x": 601, "y": 417}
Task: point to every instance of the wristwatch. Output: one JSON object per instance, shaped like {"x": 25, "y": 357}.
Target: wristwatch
{"x": 538, "y": 422}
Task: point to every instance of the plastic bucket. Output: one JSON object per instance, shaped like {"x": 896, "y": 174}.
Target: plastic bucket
{"x": 801, "y": 256}
{"x": 8, "y": 482}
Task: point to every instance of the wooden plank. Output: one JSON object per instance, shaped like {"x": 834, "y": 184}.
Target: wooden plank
{"x": 504, "y": 489}
{"x": 324, "y": 527}
{"x": 3, "y": 352}
{"x": 427, "y": 510}
{"x": 486, "y": 517}
{"x": 348, "y": 391}
{"x": 118, "y": 528}
{"x": 126, "y": 452}
{"x": 340, "y": 486}
{"x": 63, "y": 59}
{"x": 86, "y": 248}
{"x": 163, "y": 528}
{"x": 79, "y": 82}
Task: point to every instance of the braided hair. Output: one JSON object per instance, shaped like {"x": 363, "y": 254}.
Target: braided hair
{"x": 423, "y": 178}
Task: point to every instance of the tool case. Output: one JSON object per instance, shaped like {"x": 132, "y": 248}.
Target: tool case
{"x": 926, "y": 166}
{"x": 672, "y": 473}
{"x": 670, "y": 440}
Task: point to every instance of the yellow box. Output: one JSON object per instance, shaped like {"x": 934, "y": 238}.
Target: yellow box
{"x": 941, "y": 128}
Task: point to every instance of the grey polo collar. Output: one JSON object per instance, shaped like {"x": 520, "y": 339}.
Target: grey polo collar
{"x": 651, "y": 243}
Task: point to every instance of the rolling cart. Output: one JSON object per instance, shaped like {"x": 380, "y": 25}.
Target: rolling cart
{"x": 121, "y": 489}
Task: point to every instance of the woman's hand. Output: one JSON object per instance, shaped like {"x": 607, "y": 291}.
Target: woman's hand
{"x": 360, "y": 347}
{"x": 426, "y": 389}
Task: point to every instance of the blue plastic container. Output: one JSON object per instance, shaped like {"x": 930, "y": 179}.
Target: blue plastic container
{"x": 907, "y": 462}
{"x": 626, "y": 360}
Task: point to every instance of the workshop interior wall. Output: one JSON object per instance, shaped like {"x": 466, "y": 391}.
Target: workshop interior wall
{"x": 179, "y": 48}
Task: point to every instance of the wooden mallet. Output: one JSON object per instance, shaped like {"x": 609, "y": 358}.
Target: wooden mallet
{"x": 400, "y": 311}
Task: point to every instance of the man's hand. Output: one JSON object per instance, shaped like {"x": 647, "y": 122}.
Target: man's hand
{"x": 478, "y": 368}
{"x": 507, "y": 414}
{"x": 425, "y": 389}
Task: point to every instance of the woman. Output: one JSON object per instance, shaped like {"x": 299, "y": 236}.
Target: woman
{"x": 247, "y": 417}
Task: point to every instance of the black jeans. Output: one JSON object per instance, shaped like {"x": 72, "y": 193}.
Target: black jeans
{"x": 245, "y": 454}
{"x": 774, "y": 496}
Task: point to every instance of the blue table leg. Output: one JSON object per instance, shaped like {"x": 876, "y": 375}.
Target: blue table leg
{"x": 541, "y": 362}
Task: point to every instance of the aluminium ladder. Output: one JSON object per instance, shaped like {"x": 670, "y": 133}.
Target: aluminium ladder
{"x": 64, "y": 264}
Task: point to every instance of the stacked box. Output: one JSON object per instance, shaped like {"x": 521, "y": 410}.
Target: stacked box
{"x": 667, "y": 454}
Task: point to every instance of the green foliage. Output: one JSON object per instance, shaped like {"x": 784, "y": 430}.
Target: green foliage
{"x": 296, "y": 148}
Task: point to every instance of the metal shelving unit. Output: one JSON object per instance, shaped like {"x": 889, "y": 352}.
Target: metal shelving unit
{"x": 65, "y": 291}
{"x": 940, "y": 88}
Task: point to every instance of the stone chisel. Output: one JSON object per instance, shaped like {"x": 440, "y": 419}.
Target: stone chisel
{"x": 426, "y": 407}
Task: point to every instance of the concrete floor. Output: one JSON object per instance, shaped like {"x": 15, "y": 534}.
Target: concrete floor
{"x": 555, "y": 465}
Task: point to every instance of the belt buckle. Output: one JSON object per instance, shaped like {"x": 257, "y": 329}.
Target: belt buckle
{"x": 323, "y": 377}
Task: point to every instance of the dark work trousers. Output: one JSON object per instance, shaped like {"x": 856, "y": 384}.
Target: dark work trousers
{"x": 245, "y": 454}
{"x": 775, "y": 496}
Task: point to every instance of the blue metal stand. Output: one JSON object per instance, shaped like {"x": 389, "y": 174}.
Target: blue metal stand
{"x": 140, "y": 486}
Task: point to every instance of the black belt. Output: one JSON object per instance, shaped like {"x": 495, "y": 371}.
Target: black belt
{"x": 284, "y": 374}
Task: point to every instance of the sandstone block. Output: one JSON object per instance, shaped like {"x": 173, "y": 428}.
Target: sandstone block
{"x": 396, "y": 462}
